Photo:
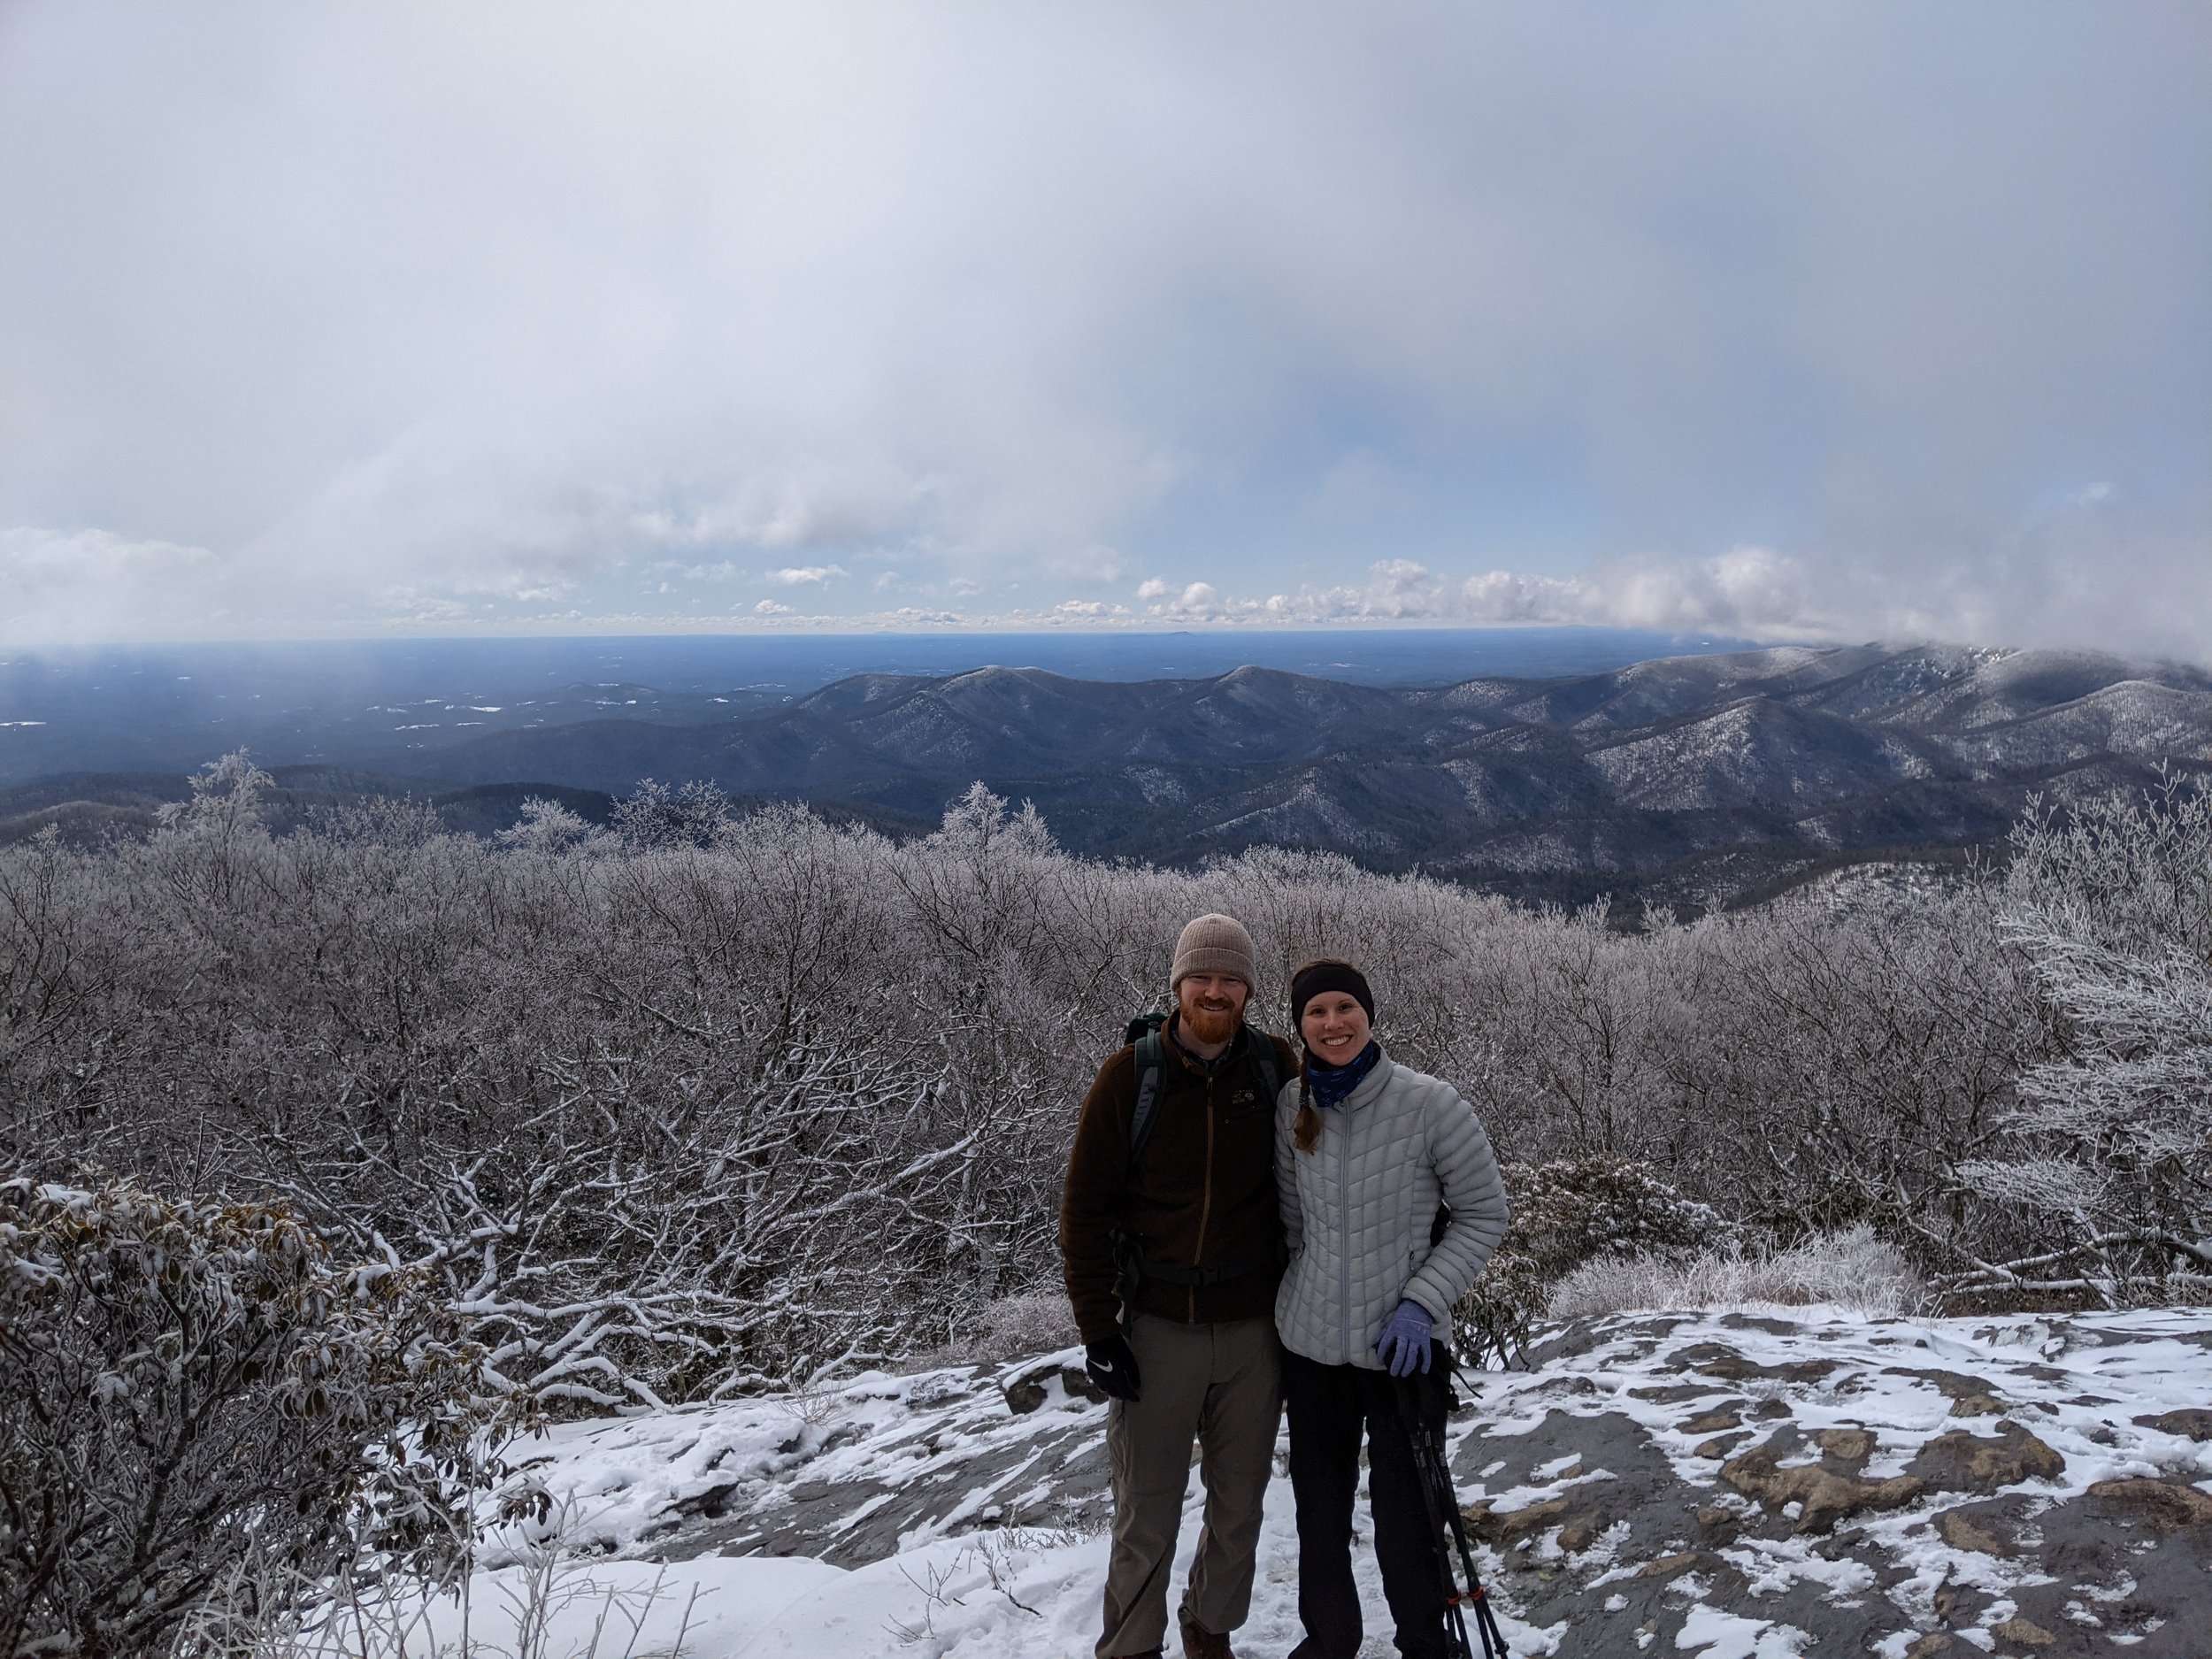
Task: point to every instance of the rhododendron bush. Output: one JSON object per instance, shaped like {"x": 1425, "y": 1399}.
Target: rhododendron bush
{"x": 191, "y": 1387}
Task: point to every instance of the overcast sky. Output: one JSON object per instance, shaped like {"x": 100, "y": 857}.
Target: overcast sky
{"x": 1846, "y": 320}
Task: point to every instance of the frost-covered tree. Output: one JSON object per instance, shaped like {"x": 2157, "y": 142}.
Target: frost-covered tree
{"x": 658, "y": 815}
{"x": 545, "y": 826}
{"x": 2111, "y": 1139}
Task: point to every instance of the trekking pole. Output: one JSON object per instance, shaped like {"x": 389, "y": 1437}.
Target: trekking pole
{"x": 1486, "y": 1617}
{"x": 1445, "y": 1528}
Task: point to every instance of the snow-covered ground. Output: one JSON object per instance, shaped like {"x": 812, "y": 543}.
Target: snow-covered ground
{"x": 1738, "y": 1485}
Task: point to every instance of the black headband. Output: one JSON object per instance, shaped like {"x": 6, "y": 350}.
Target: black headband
{"x": 1316, "y": 977}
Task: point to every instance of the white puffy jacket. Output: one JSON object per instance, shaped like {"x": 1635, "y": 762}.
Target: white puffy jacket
{"x": 1358, "y": 1209}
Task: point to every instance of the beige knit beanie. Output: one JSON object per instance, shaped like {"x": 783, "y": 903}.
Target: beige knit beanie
{"x": 1213, "y": 944}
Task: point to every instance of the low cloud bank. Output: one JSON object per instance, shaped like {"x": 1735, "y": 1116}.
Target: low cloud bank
{"x": 1820, "y": 320}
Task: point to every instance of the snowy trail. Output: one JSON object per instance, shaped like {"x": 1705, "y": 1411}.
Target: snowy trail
{"x": 1733, "y": 1485}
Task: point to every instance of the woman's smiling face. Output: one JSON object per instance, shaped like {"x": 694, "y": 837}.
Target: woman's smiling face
{"x": 1334, "y": 1027}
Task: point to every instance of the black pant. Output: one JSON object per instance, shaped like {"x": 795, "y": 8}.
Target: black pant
{"x": 1329, "y": 1407}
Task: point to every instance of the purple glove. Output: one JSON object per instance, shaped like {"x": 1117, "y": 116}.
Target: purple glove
{"x": 1404, "y": 1342}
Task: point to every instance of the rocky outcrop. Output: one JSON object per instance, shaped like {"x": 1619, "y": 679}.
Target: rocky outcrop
{"x": 1960, "y": 1462}
{"x": 1781, "y": 1487}
{"x": 1741, "y": 1486}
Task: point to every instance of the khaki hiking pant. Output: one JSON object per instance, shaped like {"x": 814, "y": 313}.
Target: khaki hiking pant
{"x": 1221, "y": 1385}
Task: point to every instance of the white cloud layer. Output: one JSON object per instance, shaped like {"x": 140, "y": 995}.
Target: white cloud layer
{"x": 1855, "y": 317}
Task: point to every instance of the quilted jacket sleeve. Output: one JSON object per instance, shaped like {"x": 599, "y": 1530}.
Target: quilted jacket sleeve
{"x": 1286, "y": 1168}
{"x": 1459, "y": 1151}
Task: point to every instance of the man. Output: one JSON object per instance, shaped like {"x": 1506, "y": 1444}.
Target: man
{"x": 1172, "y": 1260}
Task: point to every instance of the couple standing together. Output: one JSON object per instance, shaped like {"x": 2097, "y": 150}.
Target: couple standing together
{"x": 1269, "y": 1236}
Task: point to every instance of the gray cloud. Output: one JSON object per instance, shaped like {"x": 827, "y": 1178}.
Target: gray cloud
{"x": 413, "y": 316}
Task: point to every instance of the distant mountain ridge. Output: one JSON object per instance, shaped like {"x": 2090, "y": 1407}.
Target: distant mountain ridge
{"x": 1690, "y": 774}
{"x": 1804, "y": 749}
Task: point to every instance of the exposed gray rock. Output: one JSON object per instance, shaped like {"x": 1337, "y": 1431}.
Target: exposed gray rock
{"x": 1814, "y": 1489}
{"x": 1652, "y": 1482}
{"x": 1969, "y": 1396}
{"x": 2193, "y": 1421}
{"x": 1962, "y": 1462}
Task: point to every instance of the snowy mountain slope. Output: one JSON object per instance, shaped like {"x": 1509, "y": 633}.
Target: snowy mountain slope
{"x": 1645, "y": 693}
{"x": 2139, "y": 717}
{"x": 1753, "y": 752}
{"x": 2002, "y": 686}
{"x": 1894, "y": 683}
{"x": 1734, "y": 1486}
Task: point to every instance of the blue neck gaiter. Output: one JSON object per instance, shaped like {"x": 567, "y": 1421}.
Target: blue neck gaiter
{"x": 1332, "y": 1084}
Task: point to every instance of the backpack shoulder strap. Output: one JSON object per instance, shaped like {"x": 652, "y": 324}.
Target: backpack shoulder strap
{"x": 1264, "y": 1062}
{"x": 1149, "y": 1064}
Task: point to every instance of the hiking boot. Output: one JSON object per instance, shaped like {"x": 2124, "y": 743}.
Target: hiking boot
{"x": 1198, "y": 1641}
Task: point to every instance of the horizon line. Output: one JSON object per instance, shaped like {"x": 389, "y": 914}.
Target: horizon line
{"x": 1015, "y": 631}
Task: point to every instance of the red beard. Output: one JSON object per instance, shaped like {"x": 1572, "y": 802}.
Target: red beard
{"x": 1210, "y": 1025}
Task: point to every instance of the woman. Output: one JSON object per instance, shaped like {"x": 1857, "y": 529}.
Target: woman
{"x": 1365, "y": 1151}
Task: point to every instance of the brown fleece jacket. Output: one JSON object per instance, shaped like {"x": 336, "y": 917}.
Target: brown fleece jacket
{"x": 1202, "y": 1195}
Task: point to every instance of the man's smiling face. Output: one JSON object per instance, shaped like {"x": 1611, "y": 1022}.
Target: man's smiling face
{"x": 1213, "y": 1004}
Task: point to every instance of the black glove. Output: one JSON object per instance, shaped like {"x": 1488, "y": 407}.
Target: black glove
{"x": 1113, "y": 1368}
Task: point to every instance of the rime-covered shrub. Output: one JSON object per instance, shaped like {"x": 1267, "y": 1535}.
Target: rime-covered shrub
{"x": 1569, "y": 1213}
{"x": 1012, "y": 1327}
{"x": 189, "y": 1386}
{"x": 2130, "y": 869}
{"x": 718, "y": 1101}
{"x": 2105, "y": 1168}
{"x": 545, "y": 826}
{"x": 654, "y": 816}
{"x": 1031, "y": 1322}
{"x": 1853, "y": 1270}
